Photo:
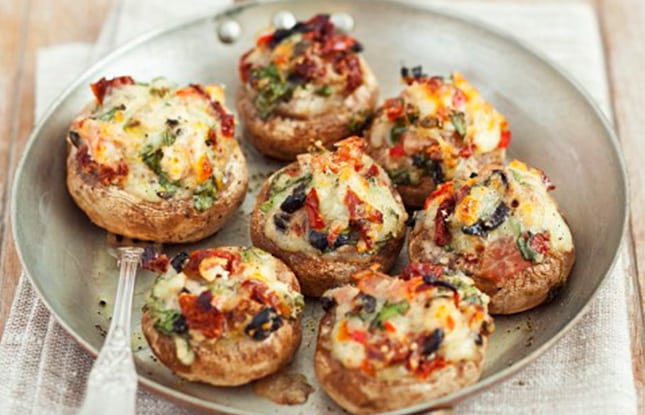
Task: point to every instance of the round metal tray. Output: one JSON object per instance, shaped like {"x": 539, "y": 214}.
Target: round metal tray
{"x": 555, "y": 127}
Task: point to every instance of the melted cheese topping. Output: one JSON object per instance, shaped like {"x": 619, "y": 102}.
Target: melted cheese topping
{"x": 308, "y": 70}
{"x": 332, "y": 178}
{"x": 237, "y": 283}
{"x": 171, "y": 140}
{"x": 385, "y": 325}
{"x": 436, "y": 120}
{"x": 530, "y": 210}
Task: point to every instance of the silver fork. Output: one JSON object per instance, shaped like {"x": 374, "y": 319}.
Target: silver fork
{"x": 112, "y": 384}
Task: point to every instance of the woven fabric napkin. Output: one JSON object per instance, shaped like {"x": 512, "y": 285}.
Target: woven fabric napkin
{"x": 587, "y": 372}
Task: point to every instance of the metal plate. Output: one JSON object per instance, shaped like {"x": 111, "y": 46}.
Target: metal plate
{"x": 555, "y": 127}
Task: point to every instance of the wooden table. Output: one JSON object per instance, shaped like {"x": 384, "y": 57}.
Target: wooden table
{"x": 28, "y": 25}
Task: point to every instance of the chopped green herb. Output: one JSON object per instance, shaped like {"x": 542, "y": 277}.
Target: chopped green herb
{"x": 168, "y": 137}
{"x": 166, "y": 320}
{"x": 159, "y": 92}
{"x": 388, "y": 311}
{"x": 458, "y": 120}
{"x": 525, "y": 249}
{"x": 151, "y": 156}
{"x": 109, "y": 115}
{"x": 272, "y": 89}
{"x": 396, "y": 132}
{"x": 358, "y": 122}
{"x": 204, "y": 195}
{"x": 275, "y": 189}
{"x": 324, "y": 91}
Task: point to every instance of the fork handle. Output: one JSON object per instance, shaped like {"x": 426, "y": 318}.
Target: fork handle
{"x": 112, "y": 384}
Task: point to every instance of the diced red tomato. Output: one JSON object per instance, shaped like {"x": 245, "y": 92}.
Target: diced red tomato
{"x": 316, "y": 222}
{"x": 389, "y": 327}
{"x": 504, "y": 139}
{"x": 426, "y": 367}
{"x": 264, "y": 39}
{"x": 393, "y": 108}
{"x": 502, "y": 259}
{"x": 396, "y": 151}
{"x": 358, "y": 336}
{"x": 466, "y": 151}
{"x": 372, "y": 171}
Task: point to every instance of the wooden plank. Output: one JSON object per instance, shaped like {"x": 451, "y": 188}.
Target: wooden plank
{"x": 32, "y": 25}
{"x": 623, "y": 26}
{"x": 13, "y": 24}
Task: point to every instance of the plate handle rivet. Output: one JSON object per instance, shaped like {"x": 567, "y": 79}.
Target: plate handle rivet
{"x": 229, "y": 31}
{"x": 344, "y": 22}
{"x": 283, "y": 20}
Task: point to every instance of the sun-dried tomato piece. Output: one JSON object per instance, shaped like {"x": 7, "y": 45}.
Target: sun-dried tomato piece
{"x": 442, "y": 235}
{"x": 201, "y": 315}
{"x": 103, "y": 86}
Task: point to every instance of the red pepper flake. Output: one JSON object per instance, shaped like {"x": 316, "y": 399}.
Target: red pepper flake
{"x": 393, "y": 108}
{"x": 426, "y": 367}
{"x": 389, "y": 327}
{"x": 227, "y": 121}
{"x": 201, "y": 315}
{"x": 103, "y": 86}
{"x": 316, "y": 222}
{"x": 547, "y": 182}
{"x": 396, "y": 151}
{"x": 504, "y": 139}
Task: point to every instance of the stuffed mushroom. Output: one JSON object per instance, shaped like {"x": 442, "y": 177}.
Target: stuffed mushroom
{"x": 387, "y": 343}
{"x": 435, "y": 130}
{"x": 301, "y": 85}
{"x": 156, "y": 162}
{"x": 223, "y": 316}
{"x": 502, "y": 228}
{"x": 329, "y": 214}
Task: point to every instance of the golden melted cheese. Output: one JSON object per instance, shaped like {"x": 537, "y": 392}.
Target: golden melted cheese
{"x": 136, "y": 119}
{"x": 530, "y": 209}
{"x": 445, "y": 120}
{"x": 332, "y": 186}
{"x": 360, "y": 334}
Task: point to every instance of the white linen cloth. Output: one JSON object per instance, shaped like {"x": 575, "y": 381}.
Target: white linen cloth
{"x": 587, "y": 372}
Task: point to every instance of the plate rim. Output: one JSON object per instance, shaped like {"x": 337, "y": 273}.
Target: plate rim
{"x": 230, "y": 10}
